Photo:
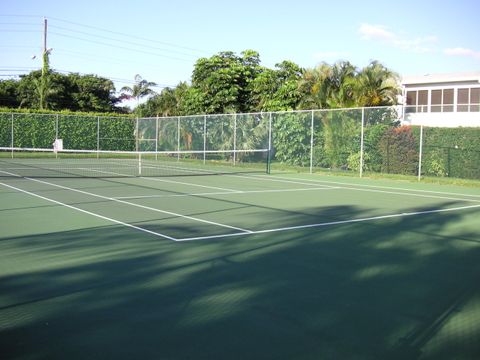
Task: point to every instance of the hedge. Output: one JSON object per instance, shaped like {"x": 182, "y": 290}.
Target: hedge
{"x": 452, "y": 152}
{"x": 79, "y": 131}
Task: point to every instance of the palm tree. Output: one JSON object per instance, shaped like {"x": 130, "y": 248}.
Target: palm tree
{"x": 140, "y": 89}
{"x": 43, "y": 86}
{"x": 328, "y": 86}
{"x": 315, "y": 85}
{"x": 341, "y": 91}
{"x": 376, "y": 86}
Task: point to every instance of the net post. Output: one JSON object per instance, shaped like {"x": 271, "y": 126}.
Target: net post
{"x": 311, "y": 143}
{"x": 420, "y": 153}
{"x": 361, "y": 141}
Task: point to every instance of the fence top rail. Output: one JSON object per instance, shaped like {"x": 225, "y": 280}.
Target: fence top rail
{"x": 68, "y": 115}
{"x": 263, "y": 113}
{"x": 206, "y": 116}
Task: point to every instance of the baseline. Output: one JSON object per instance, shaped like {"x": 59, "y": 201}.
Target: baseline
{"x": 372, "y": 188}
{"x": 331, "y": 223}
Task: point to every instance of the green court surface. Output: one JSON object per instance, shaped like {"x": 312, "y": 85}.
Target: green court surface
{"x": 281, "y": 266}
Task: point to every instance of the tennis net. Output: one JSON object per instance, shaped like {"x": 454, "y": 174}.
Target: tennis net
{"x": 30, "y": 162}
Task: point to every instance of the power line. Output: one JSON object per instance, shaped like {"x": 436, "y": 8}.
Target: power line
{"x": 18, "y": 23}
{"x": 20, "y": 31}
{"x": 95, "y": 58}
{"x": 119, "y": 40}
{"x": 141, "y": 45}
{"x": 130, "y": 36}
{"x": 20, "y": 16}
{"x": 118, "y": 46}
{"x": 68, "y": 72}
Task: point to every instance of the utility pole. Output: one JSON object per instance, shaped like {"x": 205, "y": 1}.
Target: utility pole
{"x": 44, "y": 84}
{"x": 44, "y": 53}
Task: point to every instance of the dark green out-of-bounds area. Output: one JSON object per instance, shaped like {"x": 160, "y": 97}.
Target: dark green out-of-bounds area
{"x": 284, "y": 266}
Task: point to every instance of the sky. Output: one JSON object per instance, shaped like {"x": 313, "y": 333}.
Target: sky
{"x": 162, "y": 40}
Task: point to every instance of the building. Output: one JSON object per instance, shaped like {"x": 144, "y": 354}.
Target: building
{"x": 447, "y": 100}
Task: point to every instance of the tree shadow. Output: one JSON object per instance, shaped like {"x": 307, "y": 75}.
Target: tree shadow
{"x": 372, "y": 290}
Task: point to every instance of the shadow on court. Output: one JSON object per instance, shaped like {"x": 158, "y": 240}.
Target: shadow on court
{"x": 401, "y": 288}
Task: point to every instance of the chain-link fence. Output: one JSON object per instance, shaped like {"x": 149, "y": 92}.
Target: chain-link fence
{"x": 359, "y": 141}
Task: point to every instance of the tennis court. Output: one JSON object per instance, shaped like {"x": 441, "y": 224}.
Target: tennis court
{"x": 237, "y": 265}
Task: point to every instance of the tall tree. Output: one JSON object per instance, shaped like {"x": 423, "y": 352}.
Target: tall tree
{"x": 91, "y": 93}
{"x": 224, "y": 80}
{"x": 277, "y": 89}
{"x": 315, "y": 87}
{"x": 9, "y": 93}
{"x": 376, "y": 86}
{"x": 328, "y": 86}
{"x": 140, "y": 89}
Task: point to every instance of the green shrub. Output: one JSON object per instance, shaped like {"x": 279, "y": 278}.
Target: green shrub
{"x": 398, "y": 147}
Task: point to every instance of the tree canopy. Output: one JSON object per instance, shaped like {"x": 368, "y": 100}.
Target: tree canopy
{"x": 75, "y": 92}
{"x": 228, "y": 83}
{"x": 223, "y": 83}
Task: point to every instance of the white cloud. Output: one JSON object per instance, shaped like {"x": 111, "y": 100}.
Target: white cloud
{"x": 376, "y": 32}
{"x": 459, "y": 51}
{"x": 398, "y": 40}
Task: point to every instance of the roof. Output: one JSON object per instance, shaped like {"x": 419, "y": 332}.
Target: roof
{"x": 447, "y": 78}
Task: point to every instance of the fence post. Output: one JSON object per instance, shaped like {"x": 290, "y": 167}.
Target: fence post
{"x": 137, "y": 138}
{"x": 11, "y": 140}
{"x": 269, "y": 153}
{"x": 420, "y": 153}
{"x": 56, "y": 127}
{"x": 204, "y": 138}
{"x": 361, "y": 141}
{"x": 234, "y": 139}
{"x": 156, "y": 138}
{"x": 178, "y": 139}
{"x": 98, "y": 136}
{"x": 311, "y": 144}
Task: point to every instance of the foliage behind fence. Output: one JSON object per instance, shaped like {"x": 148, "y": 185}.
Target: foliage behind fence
{"x": 319, "y": 139}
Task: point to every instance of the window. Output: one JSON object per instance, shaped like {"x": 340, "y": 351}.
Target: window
{"x": 463, "y": 100}
{"x": 436, "y": 101}
{"x": 411, "y": 101}
{"x": 475, "y": 99}
{"x": 447, "y": 100}
{"x": 468, "y": 100}
{"x": 417, "y": 101}
{"x": 441, "y": 100}
{"x": 422, "y": 101}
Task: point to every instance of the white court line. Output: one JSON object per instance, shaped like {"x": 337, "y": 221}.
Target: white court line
{"x": 317, "y": 181}
{"x": 165, "y": 180}
{"x": 189, "y": 184}
{"x": 347, "y": 186}
{"x": 239, "y": 192}
{"x": 10, "y": 174}
{"x": 373, "y": 218}
{"x": 90, "y": 213}
{"x": 141, "y": 206}
{"x": 269, "y": 178}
